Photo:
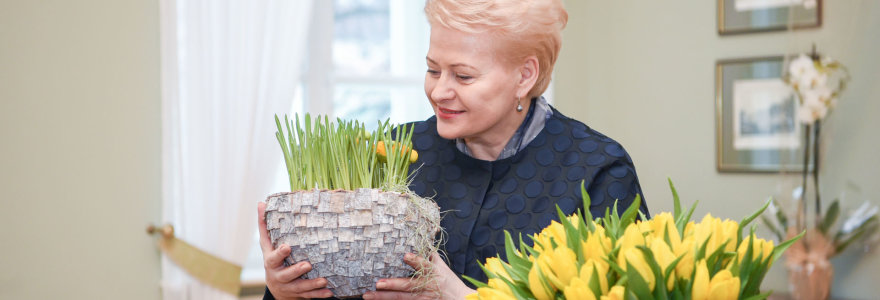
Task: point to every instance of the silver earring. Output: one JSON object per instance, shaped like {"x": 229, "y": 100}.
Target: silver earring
{"x": 518, "y": 105}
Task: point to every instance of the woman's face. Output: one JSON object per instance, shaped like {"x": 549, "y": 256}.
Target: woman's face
{"x": 472, "y": 92}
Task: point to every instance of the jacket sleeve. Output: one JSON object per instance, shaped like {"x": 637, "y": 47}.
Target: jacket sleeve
{"x": 268, "y": 295}
{"x": 615, "y": 181}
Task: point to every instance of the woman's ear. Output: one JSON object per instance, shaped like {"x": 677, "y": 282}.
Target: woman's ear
{"x": 528, "y": 71}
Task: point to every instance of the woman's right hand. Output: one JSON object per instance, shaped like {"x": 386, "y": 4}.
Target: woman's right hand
{"x": 285, "y": 282}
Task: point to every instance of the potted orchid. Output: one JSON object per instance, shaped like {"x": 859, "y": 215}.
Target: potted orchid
{"x": 817, "y": 82}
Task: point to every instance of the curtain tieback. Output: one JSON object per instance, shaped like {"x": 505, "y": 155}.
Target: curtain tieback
{"x": 207, "y": 268}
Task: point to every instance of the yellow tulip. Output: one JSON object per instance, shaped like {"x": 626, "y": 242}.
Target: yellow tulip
{"x": 728, "y": 233}
{"x": 601, "y": 269}
{"x": 575, "y": 220}
{"x": 493, "y": 294}
{"x": 615, "y": 294}
{"x": 596, "y": 246}
{"x": 555, "y": 232}
{"x": 632, "y": 237}
{"x": 724, "y": 286}
{"x": 500, "y": 286}
{"x": 636, "y": 258}
{"x": 599, "y": 229}
{"x": 538, "y": 288}
{"x": 685, "y": 266}
{"x": 645, "y": 226}
{"x": 559, "y": 266}
{"x": 413, "y": 156}
{"x": 689, "y": 229}
{"x": 760, "y": 248}
{"x": 664, "y": 258}
{"x": 472, "y": 296}
{"x": 541, "y": 241}
{"x": 578, "y": 289}
{"x": 700, "y": 289}
{"x": 496, "y": 266}
{"x": 663, "y": 224}
{"x": 717, "y": 232}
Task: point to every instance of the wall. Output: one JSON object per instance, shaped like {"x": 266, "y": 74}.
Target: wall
{"x": 643, "y": 73}
{"x": 79, "y": 149}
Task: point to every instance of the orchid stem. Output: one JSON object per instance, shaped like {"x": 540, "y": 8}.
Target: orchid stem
{"x": 802, "y": 222}
{"x": 816, "y": 169}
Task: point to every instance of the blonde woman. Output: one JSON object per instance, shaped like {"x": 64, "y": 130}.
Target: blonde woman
{"x": 496, "y": 155}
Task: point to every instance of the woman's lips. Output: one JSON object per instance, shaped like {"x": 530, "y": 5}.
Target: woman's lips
{"x": 448, "y": 113}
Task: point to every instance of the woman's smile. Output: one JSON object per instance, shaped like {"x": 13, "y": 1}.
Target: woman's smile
{"x": 448, "y": 113}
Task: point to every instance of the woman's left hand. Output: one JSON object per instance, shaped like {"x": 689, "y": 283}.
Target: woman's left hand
{"x": 441, "y": 283}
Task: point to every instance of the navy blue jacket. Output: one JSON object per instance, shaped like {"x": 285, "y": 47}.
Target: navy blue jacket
{"x": 519, "y": 194}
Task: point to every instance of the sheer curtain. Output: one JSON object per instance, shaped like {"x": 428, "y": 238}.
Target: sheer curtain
{"x": 227, "y": 68}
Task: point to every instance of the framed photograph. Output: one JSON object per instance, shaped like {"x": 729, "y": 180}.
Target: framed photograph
{"x": 756, "y": 121}
{"x": 745, "y": 16}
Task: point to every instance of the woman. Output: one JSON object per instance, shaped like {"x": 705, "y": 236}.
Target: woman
{"x": 495, "y": 155}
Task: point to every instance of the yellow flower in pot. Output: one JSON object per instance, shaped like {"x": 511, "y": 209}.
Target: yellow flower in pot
{"x": 349, "y": 212}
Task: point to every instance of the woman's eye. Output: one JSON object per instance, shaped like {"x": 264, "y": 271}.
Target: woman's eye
{"x": 433, "y": 72}
{"x": 465, "y": 77}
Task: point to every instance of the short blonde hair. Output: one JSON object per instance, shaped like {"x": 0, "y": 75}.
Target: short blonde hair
{"x": 524, "y": 28}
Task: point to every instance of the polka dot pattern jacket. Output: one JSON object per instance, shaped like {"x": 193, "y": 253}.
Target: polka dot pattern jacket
{"x": 482, "y": 199}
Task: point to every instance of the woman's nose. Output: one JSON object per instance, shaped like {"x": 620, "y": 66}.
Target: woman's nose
{"x": 442, "y": 89}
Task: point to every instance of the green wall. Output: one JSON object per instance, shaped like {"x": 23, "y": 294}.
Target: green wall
{"x": 643, "y": 73}
{"x": 79, "y": 149}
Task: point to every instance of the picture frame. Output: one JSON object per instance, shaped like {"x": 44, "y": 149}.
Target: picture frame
{"x": 756, "y": 121}
{"x": 749, "y": 16}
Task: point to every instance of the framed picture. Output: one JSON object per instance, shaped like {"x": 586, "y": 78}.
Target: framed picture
{"x": 756, "y": 121}
{"x": 745, "y": 16}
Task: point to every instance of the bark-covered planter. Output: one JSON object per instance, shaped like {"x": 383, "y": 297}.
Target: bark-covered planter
{"x": 352, "y": 238}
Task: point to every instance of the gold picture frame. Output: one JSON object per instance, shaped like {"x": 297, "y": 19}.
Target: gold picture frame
{"x": 755, "y": 113}
{"x": 749, "y": 16}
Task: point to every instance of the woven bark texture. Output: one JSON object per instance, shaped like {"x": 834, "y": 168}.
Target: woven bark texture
{"x": 352, "y": 238}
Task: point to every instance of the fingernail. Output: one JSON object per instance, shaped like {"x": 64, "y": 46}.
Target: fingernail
{"x": 408, "y": 256}
{"x": 368, "y": 296}
{"x": 381, "y": 285}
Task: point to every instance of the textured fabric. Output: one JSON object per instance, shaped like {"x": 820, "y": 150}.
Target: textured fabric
{"x": 519, "y": 194}
{"x": 482, "y": 199}
{"x": 539, "y": 113}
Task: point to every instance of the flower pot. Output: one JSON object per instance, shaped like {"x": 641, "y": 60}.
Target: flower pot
{"x": 810, "y": 273}
{"x": 811, "y": 280}
{"x": 352, "y": 238}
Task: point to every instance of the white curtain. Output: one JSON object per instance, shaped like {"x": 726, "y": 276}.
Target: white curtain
{"x": 227, "y": 67}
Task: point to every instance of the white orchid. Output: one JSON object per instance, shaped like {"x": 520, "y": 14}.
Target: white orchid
{"x": 810, "y": 80}
{"x": 801, "y": 66}
{"x": 812, "y": 109}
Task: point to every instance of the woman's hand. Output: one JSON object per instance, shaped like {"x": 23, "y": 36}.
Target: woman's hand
{"x": 285, "y": 282}
{"x": 441, "y": 283}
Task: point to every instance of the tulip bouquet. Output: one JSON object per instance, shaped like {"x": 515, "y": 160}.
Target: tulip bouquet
{"x": 667, "y": 257}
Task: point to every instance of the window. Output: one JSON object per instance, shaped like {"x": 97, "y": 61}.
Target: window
{"x": 368, "y": 58}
